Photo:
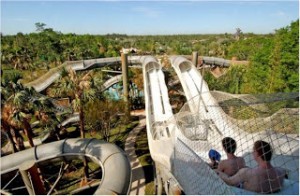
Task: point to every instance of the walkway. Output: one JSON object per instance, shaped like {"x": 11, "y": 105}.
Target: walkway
{"x": 138, "y": 176}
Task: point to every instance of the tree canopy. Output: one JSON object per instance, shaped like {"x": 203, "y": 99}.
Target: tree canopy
{"x": 273, "y": 67}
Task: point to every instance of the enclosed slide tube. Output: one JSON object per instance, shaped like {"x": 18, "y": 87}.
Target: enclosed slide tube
{"x": 47, "y": 79}
{"x": 212, "y": 61}
{"x": 116, "y": 177}
{"x": 216, "y": 61}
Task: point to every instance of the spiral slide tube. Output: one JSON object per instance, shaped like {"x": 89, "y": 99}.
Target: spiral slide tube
{"x": 114, "y": 162}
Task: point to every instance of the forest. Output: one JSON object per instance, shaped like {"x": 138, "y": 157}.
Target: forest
{"x": 273, "y": 67}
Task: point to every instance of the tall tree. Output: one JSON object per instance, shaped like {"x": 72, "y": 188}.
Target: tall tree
{"x": 12, "y": 115}
{"x": 80, "y": 89}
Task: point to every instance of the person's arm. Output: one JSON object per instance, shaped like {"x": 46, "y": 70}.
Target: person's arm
{"x": 221, "y": 166}
{"x": 244, "y": 163}
{"x": 234, "y": 180}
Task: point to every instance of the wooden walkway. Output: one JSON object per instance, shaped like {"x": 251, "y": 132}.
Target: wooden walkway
{"x": 138, "y": 175}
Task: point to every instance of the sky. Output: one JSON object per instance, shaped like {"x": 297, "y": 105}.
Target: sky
{"x": 148, "y": 17}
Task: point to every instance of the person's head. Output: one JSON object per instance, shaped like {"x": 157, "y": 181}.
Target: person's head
{"x": 263, "y": 150}
{"x": 229, "y": 145}
{"x": 214, "y": 155}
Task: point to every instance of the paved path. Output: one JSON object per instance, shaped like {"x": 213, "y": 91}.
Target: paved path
{"x": 138, "y": 176}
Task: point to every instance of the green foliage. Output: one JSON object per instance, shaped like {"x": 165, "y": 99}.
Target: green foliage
{"x": 244, "y": 49}
{"x": 102, "y": 116}
{"x": 11, "y": 75}
{"x": 273, "y": 67}
{"x": 274, "y": 58}
{"x": 229, "y": 82}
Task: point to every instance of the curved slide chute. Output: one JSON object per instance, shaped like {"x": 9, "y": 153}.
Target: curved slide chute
{"x": 205, "y": 110}
{"x": 114, "y": 162}
{"x": 179, "y": 143}
{"x": 161, "y": 127}
{"x": 201, "y": 102}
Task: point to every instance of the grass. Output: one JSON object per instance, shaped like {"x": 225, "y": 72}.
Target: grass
{"x": 29, "y": 76}
{"x": 118, "y": 134}
{"x": 71, "y": 178}
{"x": 279, "y": 116}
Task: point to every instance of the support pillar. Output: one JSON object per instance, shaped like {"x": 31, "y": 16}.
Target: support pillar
{"x": 31, "y": 178}
{"x": 124, "y": 59}
{"x": 195, "y": 58}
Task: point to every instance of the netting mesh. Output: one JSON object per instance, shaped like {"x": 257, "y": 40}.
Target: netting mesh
{"x": 194, "y": 174}
{"x": 246, "y": 118}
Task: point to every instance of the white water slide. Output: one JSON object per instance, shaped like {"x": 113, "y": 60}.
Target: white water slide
{"x": 179, "y": 144}
{"x": 53, "y": 74}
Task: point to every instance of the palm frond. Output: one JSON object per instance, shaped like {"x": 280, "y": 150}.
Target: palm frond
{"x": 89, "y": 95}
{"x": 20, "y": 98}
{"x": 87, "y": 76}
{"x": 76, "y": 104}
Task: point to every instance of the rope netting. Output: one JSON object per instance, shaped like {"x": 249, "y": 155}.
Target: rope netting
{"x": 273, "y": 118}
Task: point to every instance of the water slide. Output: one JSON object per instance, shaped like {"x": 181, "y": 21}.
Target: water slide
{"x": 203, "y": 106}
{"x": 53, "y": 74}
{"x": 161, "y": 127}
{"x": 114, "y": 162}
{"x": 179, "y": 143}
{"x": 201, "y": 101}
{"x": 170, "y": 136}
{"x": 47, "y": 79}
{"x": 75, "y": 116}
{"x": 106, "y": 155}
{"x": 116, "y": 177}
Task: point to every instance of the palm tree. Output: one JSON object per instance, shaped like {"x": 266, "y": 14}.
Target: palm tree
{"x": 237, "y": 33}
{"x": 46, "y": 113}
{"x": 8, "y": 111}
{"x": 23, "y": 110}
{"x": 79, "y": 89}
{"x": 18, "y": 107}
{"x": 6, "y": 128}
